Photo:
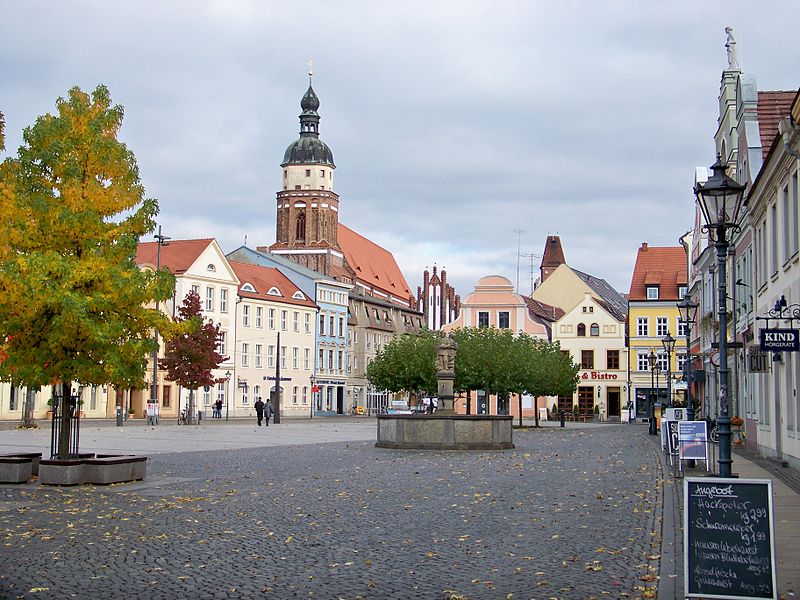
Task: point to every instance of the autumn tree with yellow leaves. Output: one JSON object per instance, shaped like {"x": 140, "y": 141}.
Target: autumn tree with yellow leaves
{"x": 74, "y": 306}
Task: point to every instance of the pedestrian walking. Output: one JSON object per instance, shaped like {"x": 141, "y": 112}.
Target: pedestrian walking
{"x": 268, "y": 412}
{"x": 259, "y": 406}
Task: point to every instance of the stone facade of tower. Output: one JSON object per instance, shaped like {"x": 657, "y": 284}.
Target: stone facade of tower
{"x": 307, "y": 220}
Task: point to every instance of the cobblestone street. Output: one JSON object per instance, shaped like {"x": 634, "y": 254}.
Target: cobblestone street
{"x": 570, "y": 513}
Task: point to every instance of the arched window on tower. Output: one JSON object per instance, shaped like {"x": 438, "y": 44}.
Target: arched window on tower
{"x": 300, "y": 232}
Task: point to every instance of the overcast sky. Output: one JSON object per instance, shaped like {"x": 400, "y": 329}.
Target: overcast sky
{"x": 454, "y": 125}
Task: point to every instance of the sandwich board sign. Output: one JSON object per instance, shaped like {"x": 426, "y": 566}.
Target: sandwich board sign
{"x": 728, "y": 539}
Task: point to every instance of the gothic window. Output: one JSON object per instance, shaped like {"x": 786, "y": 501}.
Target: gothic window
{"x": 300, "y": 234}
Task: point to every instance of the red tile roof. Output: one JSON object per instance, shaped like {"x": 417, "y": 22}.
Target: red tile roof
{"x": 176, "y": 255}
{"x": 374, "y": 266}
{"x": 264, "y": 279}
{"x": 542, "y": 310}
{"x": 772, "y": 107}
{"x": 662, "y": 266}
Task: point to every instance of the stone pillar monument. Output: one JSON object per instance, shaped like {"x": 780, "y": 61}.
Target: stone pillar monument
{"x": 446, "y": 349}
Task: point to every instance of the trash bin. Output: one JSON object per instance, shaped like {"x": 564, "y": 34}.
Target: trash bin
{"x": 119, "y": 416}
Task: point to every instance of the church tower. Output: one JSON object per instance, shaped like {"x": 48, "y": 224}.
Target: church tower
{"x": 308, "y": 209}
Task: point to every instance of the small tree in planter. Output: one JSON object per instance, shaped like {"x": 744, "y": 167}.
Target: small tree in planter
{"x": 190, "y": 357}
{"x": 554, "y": 412}
{"x": 596, "y": 412}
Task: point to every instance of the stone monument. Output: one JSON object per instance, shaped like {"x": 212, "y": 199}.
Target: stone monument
{"x": 446, "y": 349}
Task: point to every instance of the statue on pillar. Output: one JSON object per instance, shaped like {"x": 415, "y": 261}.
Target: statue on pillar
{"x": 733, "y": 54}
{"x": 446, "y": 348}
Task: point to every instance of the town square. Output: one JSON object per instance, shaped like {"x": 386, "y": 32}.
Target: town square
{"x": 356, "y": 300}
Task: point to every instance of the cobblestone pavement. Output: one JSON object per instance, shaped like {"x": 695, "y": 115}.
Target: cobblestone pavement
{"x": 570, "y": 513}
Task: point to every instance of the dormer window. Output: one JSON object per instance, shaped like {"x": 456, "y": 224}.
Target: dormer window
{"x": 298, "y": 296}
{"x": 681, "y": 292}
{"x": 652, "y": 292}
{"x": 273, "y": 291}
{"x": 248, "y": 287}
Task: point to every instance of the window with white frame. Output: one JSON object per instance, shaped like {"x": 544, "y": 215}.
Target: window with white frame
{"x": 256, "y": 391}
{"x": 662, "y": 326}
{"x": 794, "y": 217}
{"x": 652, "y": 292}
{"x": 305, "y": 394}
{"x": 330, "y": 360}
{"x": 503, "y": 320}
{"x": 209, "y": 298}
{"x": 680, "y": 361}
{"x": 321, "y": 360}
{"x": 680, "y": 328}
{"x": 245, "y": 315}
{"x": 773, "y": 217}
{"x": 642, "y": 327}
{"x": 223, "y": 299}
{"x": 341, "y": 326}
{"x": 223, "y": 339}
{"x": 284, "y": 318}
{"x": 295, "y": 358}
{"x": 270, "y": 356}
{"x": 258, "y": 356}
{"x": 245, "y": 354}
{"x": 244, "y": 396}
{"x": 307, "y": 322}
{"x": 207, "y": 395}
{"x": 306, "y": 358}
{"x": 259, "y": 317}
{"x": 221, "y": 391}
{"x": 340, "y": 360}
{"x": 271, "y": 318}
{"x": 283, "y": 357}
{"x": 662, "y": 362}
{"x": 483, "y": 319}
{"x": 642, "y": 362}
{"x": 294, "y": 395}
{"x": 322, "y": 323}
{"x": 296, "y": 321}
{"x": 682, "y": 292}
{"x": 331, "y": 326}
{"x": 196, "y": 289}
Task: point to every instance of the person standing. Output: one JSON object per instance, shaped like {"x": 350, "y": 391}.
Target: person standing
{"x": 259, "y": 406}
{"x": 218, "y": 407}
{"x": 268, "y": 412}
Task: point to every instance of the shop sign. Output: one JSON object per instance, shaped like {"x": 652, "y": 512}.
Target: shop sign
{"x": 597, "y": 375}
{"x": 780, "y": 340}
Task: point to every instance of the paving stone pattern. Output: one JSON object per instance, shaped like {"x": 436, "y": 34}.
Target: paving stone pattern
{"x": 568, "y": 514}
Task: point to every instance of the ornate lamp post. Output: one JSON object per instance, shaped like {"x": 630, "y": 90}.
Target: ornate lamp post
{"x": 687, "y": 309}
{"x": 720, "y": 199}
{"x": 651, "y": 412}
{"x": 669, "y": 345}
{"x": 152, "y": 414}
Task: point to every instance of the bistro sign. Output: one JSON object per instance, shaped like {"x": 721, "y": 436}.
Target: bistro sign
{"x": 780, "y": 340}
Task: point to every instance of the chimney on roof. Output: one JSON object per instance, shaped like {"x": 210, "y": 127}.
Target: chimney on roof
{"x": 552, "y": 257}
{"x": 644, "y": 245}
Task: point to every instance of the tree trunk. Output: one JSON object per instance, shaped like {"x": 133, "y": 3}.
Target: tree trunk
{"x": 190, "y": 408}
{"x": 536, "y": 411}
{"x": 27, "y": 409}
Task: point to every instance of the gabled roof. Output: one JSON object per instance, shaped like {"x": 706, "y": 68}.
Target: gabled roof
{"x": 263, "y": 279}
{"x": 661, "y": 266}
{"x": 611, "y": 300}
{"x": 373, "y": 266}
{"x": 177, "y": 255}
{"x": 543, "y": 311}
{"x": 772, "y": 107}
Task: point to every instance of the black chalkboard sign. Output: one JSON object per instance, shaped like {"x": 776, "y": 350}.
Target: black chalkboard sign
{"x": 728, "y": 538}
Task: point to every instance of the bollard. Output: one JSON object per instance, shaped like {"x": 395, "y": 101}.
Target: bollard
{"x": 561, "y": 416}
{"x": 119, "y": 416}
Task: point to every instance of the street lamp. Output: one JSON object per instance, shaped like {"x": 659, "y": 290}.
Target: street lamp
{"x": 227, "y": 392}
{"x": 651, "y": 413}
{"x": 311, "y": 401}
{"x": 720, "y": 199}
{"x": 669, "y": 345}
{"x": 687, "y": 308}
{"x": 152, "y": 415}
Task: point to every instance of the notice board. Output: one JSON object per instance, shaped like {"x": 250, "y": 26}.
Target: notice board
{"x": 728, "y": 545}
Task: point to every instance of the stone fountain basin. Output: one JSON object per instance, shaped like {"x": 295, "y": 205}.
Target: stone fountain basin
{"x": 445, "y": 432}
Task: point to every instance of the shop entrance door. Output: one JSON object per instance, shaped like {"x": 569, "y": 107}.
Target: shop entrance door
{"x": 613, "y": 396}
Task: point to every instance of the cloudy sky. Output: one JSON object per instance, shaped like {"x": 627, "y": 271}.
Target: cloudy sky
{"x": 460, "y": 130}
